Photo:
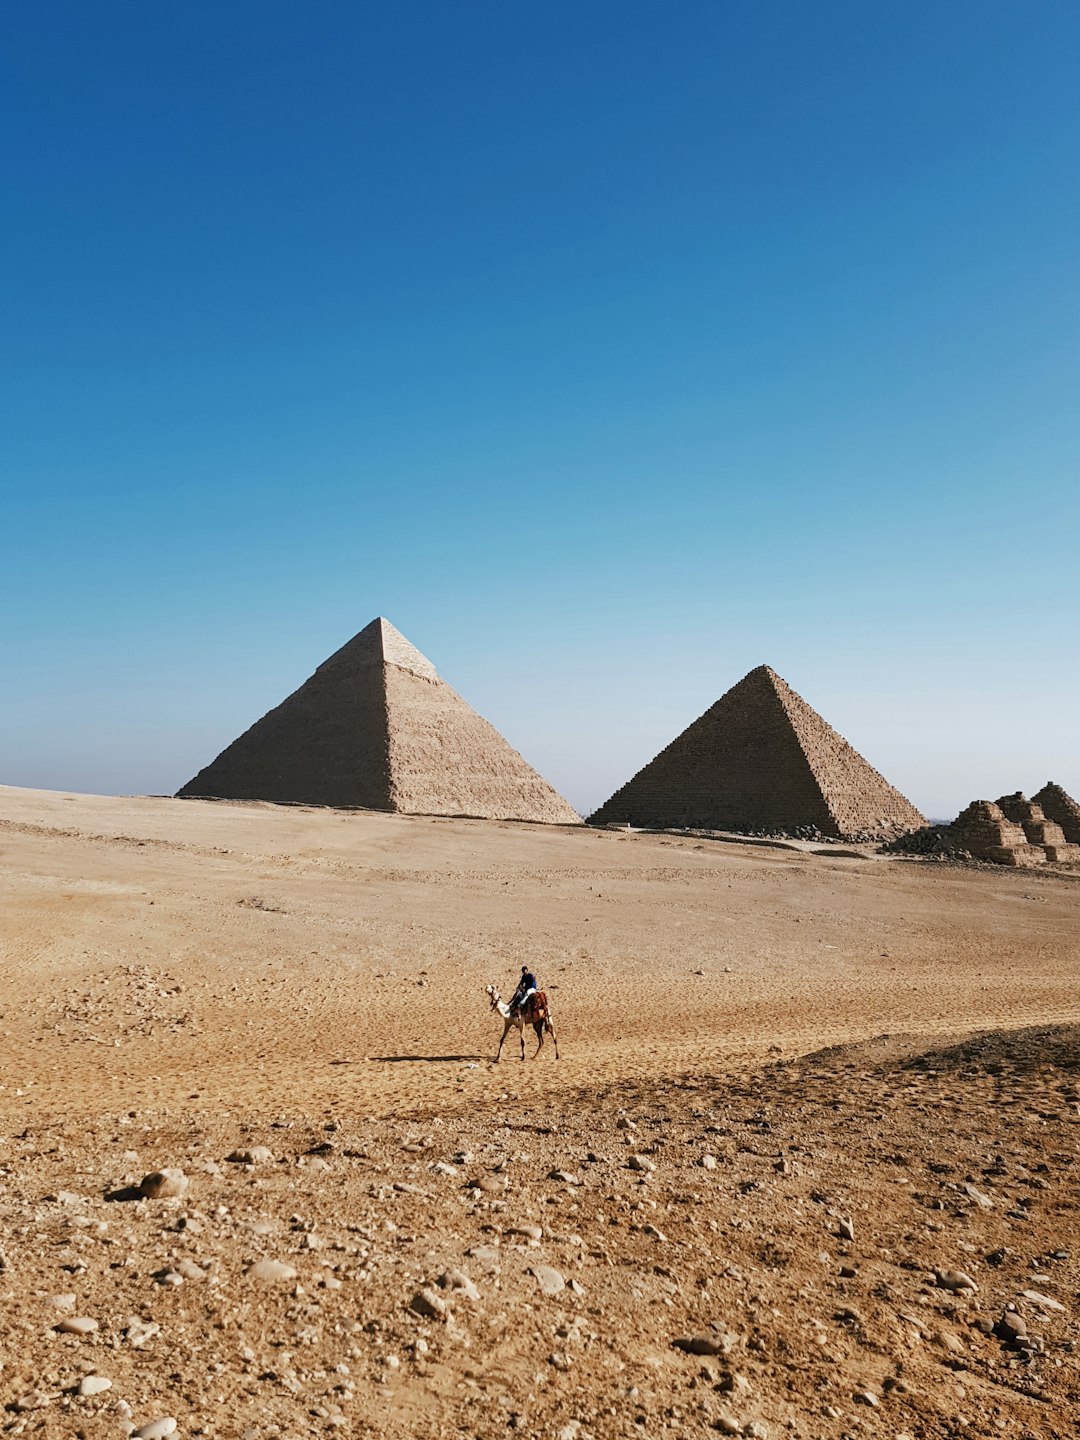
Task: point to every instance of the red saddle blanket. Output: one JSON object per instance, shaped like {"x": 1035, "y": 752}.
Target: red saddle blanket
{"x": 535, "y": 1008}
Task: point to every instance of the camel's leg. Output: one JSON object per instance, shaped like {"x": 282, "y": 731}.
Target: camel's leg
{"x": 506, "y": 1031}
{"x": 551, "y": 1032}
{"x": 538, "y": 1026}
{"x": 521, "y": 1037}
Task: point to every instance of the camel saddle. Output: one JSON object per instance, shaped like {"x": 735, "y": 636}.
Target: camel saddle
{"x": 535, "y": 1008}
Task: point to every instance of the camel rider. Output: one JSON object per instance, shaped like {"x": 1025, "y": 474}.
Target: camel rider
{"x": 526, "y": 986}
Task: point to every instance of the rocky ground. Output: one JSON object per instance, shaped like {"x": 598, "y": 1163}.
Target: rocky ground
{"x": 697, "y": 1221}
{"x": 873, "y": 1240}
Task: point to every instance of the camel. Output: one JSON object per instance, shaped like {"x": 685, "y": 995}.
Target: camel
{"x": 534, "y": 1012}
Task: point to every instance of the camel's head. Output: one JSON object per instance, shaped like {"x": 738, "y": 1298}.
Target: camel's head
{"x": 492, "y": 994}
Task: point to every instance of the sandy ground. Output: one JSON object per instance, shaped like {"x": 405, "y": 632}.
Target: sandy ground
{"x": 183, "y": 979}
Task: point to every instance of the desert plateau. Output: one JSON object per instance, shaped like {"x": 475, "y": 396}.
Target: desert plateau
{"x": 805, "y": 1165}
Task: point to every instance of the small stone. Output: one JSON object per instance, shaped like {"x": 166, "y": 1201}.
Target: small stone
{"x": 138, "y": 1331}
{"x": 155, "y": 1429}
{"x": 529, "y": 1232}
{"x": 846, "y": 1230}
{"x": 254, "y": 1155}
{"x": 425, "y": 1302}
{"x": 948, "y": 1341}
{"x": 559, "y": 1361}
{"x": 640, "y": 1162}
{"x": 166, "y": 1184}
{"x": 654, "y": 1232}
{"x": 1011, "y": 1326}
{"x": 564, "y": 1177}
{"x": 757, "y": 1430}
{"x": 94, "y": 1385}
{"x": 440, "y": 1167}
{"x": 271, "y": 1271}
{"x": 1046, "y": 1301}
{"x": 35, "y": 1400}
{"x": 955, "y": 1280}
{"x": 189, "y": 1270}
{"x": 727, "y": 1424}
{"x": 707, "y": 1162}
{"x": 569, "y": 1431}
{"x": 459, "y": 1283}
{"x": 866, "y": 1397}
{"x": 62, "y": 1302}
{"x": 983, "y": 1201}
{"x": 701, "y": 1344}
{"x": 549, "y": 1280}
{"x": 77, "y": 1325}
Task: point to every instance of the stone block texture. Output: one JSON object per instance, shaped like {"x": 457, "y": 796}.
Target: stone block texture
{"x": 761, "y": 759}
{"x": 986, "y": 833}
{"x": 376, "y": 727}
{"x": 1040, "y": 830}
{"x": 1059, "y": 806}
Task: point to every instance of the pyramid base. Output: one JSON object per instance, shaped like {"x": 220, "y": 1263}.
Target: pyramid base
{"x": 1020, "y": 856}
{"x": 1063, "y": 854}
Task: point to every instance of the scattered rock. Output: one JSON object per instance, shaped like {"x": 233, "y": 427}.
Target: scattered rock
{"x": 549, "y": 1280}
{"x": 955, "y": 1280}
{"x": 166, "y": 1184}
{"x": 702, "y": 1344}
{"x": 94, "y": 1385}
{"x": 640, "y": 1162}
{"x": 459, "y": 1283}
{"x": 271, "y": 1271}
{"x": 529, "y": 1232}
{"x": 427, "y": 1303}
{"x": 1046, "y": 1301}
{"x": 77, "y": 1325}
{"x": 254, "y": 1155}
{"x": 155, "y": 1429}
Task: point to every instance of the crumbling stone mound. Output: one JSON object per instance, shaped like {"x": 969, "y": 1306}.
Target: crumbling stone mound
{"x": 934, "y": 842}
{"x": 1059, "y": 806}
{"x": 1047, "y": 834}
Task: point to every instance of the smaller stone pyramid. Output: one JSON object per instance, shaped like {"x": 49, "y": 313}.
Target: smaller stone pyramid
{"x": 986, "y": 833}
{"x": 1047, "y": 834}
{"x": 376, "y": 727}
{"x": 1059, "y": 806}
{"x": 762, "y": 760}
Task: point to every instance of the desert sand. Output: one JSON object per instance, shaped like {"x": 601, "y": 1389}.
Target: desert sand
{"x": 770, "y": 1135}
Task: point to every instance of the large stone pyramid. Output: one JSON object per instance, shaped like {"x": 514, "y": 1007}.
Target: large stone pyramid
{"x": 376, "y": 727}
{"x": 762, "y": 760}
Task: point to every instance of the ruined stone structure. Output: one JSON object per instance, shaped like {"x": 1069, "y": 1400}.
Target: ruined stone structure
{"x": 376, "y": 727}
{"x": 1060, "y": 807}
{"x": 762, "y": 760}
{"x": 985, "y": 832}
{"x": 1047, "y": 834}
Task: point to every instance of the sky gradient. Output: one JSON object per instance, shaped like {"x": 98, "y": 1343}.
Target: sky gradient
{"x": 607, "y": 349}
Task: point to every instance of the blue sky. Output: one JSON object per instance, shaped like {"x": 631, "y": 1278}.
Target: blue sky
{"x": 608, "y": 349}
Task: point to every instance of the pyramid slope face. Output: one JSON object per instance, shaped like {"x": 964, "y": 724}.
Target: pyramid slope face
{"x": 376, "y": 727}
{"x": 445, "y": 759}
{"x": 762, "y": 759}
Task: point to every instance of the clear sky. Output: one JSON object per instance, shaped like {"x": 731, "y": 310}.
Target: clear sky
{"x": 607, "y": 348}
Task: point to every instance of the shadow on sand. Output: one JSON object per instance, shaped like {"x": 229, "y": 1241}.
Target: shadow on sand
{"x": 428, "y": 1059}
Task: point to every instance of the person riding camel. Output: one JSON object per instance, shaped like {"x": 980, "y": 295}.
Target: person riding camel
{"x": 526, "y": 986}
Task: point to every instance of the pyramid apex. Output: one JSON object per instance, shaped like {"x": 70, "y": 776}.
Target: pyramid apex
{"x": 381, "y": 643}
